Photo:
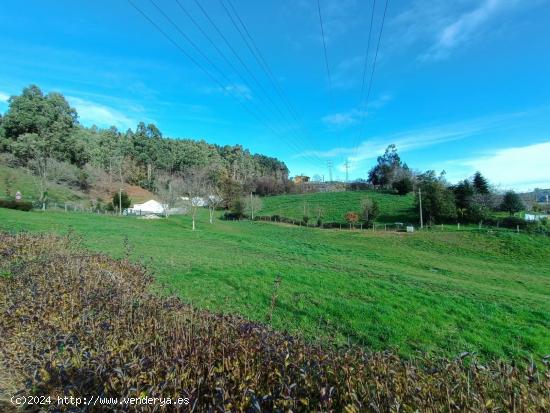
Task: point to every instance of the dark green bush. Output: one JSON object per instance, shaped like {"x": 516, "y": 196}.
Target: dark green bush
{"x": 18, "y": 205}
{"x": 403, "y": 186}
{"x": 122, "y": 197}
{"x": 513, "y": 222}
{"x": 231, "y": 216}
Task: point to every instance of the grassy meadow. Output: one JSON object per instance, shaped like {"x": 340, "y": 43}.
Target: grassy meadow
{"x": 438, "y": 292}
{"x": 334, "y": 205}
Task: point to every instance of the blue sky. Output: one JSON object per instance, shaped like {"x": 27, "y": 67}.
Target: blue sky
{"x": 459, "y": 85}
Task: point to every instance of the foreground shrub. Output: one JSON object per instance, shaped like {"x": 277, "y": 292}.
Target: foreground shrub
{"x": 19, "y": 205}
{"x": 80, "y": 324}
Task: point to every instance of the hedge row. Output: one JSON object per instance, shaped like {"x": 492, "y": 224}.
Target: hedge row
{"x": 12, "y": 204}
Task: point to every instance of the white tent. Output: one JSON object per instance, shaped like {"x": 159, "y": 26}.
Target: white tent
{"x": 149, "y": 207}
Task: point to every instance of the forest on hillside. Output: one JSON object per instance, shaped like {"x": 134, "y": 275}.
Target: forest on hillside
{"x": 40, "y": 131}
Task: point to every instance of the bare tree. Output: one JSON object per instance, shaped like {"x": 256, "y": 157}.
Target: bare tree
{"x": 119, "y": 157}
{"x": 252, "y": 204}
{"x": 196, "y": 182}
{"x": 168, "y": 188}
{"x": 213, "y": 201}
{"x": 38, "y": 152}
{"x": 369, "y": 209}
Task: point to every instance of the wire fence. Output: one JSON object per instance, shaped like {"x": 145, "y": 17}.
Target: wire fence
{"x": 402, "y": 227}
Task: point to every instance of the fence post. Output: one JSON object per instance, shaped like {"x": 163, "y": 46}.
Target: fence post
{"x": 65, "y": 207}
{"x": 458, "y": 225}
{"x": 385, "y": 227}
{"x": 361, "y": 227}
{"x": 373, "y": 226}
{"x": 517, "y": 229}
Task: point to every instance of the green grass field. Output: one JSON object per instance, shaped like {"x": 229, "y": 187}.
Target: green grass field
{"x": 334, "y": 205}
{"x": 437, "y": 292}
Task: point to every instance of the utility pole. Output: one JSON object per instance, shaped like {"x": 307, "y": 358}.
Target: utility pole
{"x": 420, "y": 206}
{"x": 346, "y": 165}
{"x": 329, "y": 163}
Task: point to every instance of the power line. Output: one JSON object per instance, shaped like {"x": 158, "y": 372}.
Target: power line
{"x": 220, "y": 72}
{"x": 365, "y": 64}
{"x": 255, "y": 51}
{"x": 371, "y": 76}
{"x": 199, "y": 65}
{"x": 222, "y": 54}
{"x": 362, "y": 112}
{"x": 327, "y": 66}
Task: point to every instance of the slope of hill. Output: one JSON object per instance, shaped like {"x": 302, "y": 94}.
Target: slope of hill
{"x": 431, "y": 291}
{"x": 20, "y": 179}
{"x": 334, "y": 205}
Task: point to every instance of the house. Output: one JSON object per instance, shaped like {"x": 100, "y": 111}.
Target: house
{"x": 300, "y": 179}
{"x": 149, "y": 207}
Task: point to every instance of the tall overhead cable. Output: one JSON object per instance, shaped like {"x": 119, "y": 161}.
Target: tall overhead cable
{"x": 264, "y": 94}
{"x": 362, "y": 122}
{"x": 243, "y": 31}
{"x": 199, "y": 65}
{"x": 327, "y": 65}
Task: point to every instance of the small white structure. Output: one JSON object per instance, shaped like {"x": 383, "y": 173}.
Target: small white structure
{"x": 149, "y": 207}
{"x": 195, "y": 201}
{"x": 410, "y": 228}
{"x": 535, "y": 217}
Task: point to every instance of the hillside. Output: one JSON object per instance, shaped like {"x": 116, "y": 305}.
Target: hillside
{"x": 20, "y": 179}
{"x": 437, "y": 292}
{"x": 334, "y": 205}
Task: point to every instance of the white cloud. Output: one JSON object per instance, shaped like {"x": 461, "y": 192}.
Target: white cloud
{"x": 417, "y": 138}
{"x": 91, "y": 113}
{"x": 521, "y": 168}
{"x": 4, "y": 97}
{"x": 440, "y": 28}
{"x": 344, "y": 118}
{"x": 236, "y": 89}
{"x": 353, "y": 116}
{"x": 466, "y": 26}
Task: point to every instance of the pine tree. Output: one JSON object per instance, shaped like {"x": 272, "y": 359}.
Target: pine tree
{"x": 511, "y": 203}
{"x": 480, "y": 183}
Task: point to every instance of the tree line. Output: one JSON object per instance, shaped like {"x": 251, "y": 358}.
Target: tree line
{"x": 41, "y": 131}
{"x": 471, "y": 200}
